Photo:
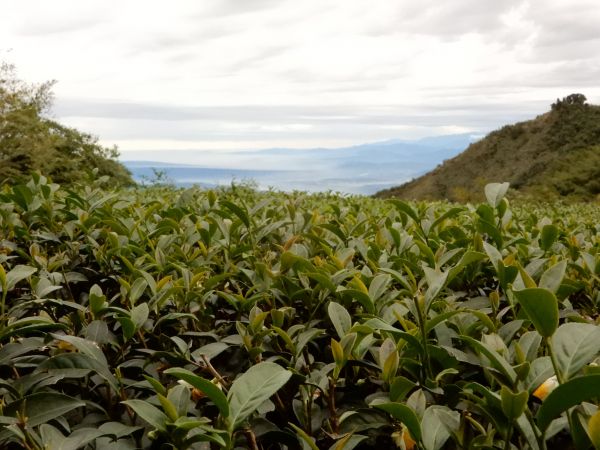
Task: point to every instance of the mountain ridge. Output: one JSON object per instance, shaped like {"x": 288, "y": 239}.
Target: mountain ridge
{"x": 361, "y": 169}
{"x": 555, "y": 155}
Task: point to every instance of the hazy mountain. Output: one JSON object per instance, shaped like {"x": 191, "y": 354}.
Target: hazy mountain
{"x": 361, "y": 169}
{"x": 557, "y": 154}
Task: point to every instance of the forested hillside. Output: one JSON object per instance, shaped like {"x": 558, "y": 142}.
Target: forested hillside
{"x": 31, "y": 141}
{"x": 555, "y": 155}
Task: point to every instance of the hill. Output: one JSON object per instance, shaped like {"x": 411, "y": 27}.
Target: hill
{"x": 31, "y": 141}
{"x": 555, "y": 155}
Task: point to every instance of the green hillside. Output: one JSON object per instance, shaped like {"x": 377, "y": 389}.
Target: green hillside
{"x": 555, "y": 155}
{"x": 31, "y": 141}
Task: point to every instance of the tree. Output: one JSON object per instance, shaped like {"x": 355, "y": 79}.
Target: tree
{"x": 30, "y": 141}
{"x": 568, "y": 101}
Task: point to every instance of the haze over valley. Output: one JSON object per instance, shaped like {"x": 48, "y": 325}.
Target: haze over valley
{"x": 361, "y": 169}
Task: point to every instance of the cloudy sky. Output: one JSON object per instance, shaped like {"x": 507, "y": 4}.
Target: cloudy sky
{"x": 249, "y": 74}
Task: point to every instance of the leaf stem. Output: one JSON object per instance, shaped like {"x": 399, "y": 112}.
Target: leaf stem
{"x": 555, "y": 365}
{"x": 333, "y": 420}
{"x": 214, "y": 372}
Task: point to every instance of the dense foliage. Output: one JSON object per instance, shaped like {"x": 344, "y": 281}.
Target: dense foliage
{"x": 556, "y": 155}
{"x": 30, "y": 141}
{"x": 163, "y": 318}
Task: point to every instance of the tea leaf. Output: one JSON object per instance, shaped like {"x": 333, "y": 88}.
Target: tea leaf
{"x": 541, "y": 307}
{"x": 404, "y": 414}
{"x": 210, "y": 389}
{"x": 149, "y": 413}
{"x": 340, "y": 318}
{"x": 42, "y": 407}
{"x": 567, "y": 395}
{"x": 575, "y": 345}
{"x": 252, "y": 388}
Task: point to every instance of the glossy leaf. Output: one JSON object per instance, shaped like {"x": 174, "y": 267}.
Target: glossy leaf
{"x": 575, "y": 345}
{"x": 149, "y": 413}
{"x": 210, "y": 389}
{"x": 567, "y": 395}
{"x": 439, "y": 422}
{"x": 252, "y": 388}
{"x": 404, "y": 414}
{"x": 541, "y": 306}
{"x": 495, "y": 192}
{"x": 340, "y": 318}
{"x": 42, "y": 407}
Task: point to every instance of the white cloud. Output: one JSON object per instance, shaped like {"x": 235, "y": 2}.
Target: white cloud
{"x": 241, "y": 74}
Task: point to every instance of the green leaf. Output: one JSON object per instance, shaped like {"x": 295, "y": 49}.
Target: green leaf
{"x": 493, "y": 254}
{"x": 139, "y": 315}
{"x": 127, "y": 326}
{"x": 448, "y": 214}
{"x": 42, "y": 407}
{"x": 137, "y": 289}
{"x": 80, "y": 361}
{"x": 361, "y": 298}
{"x": 168, "y": 407}
{"x": 527, "y": 280}
{"x": 541, "y": 306}
{"x": 594, "y": 430}
{"x": 252, "y": 388}
{"x": 340, "y": 318}
{"x": 239, "y": 212}
{"x": 3, "y": 282}
{"x": 97, "y": 331}
{"x": 348, "y": 442}
{"x": 378, "y": 286}
{"x": 552, "y": 278}
{"x": 439, "y": 422}
{"x": 149, "y": 413}
{"x": 575, "y": 345}
{"x": 380, "y": 325}
{"x": 14, "y": 349}
{"x": 468, "y": 258}
{"x": 17, "y": 274}
{"x": 436, "y": 281}
{"x": 97, "y": 299}
{"x": 180, "y": 398}
{"x": 406, "y": 209}
{"x": 496, "y": 360}
{"x": 548, "y": 236}
{"x": 400, "y": 387}
{"x": 117, "y": 429}
{"x": 156, "y": 385}
{"x": 513, "y": 405}
{"x": 495, "y": 192}
{"x": 54, "y": 439}
{"x": 286, "y": 338}
{"x": 323, "y": 280}
{"x": 567, "y": 395}
{"x": 338, "y": 357}
{"x": 210, "y": 389}
{"x": 305, "y": 438}
{"x": 85, "y": 346}
{"x": 404, "y": 414}
{"x": 390, "y": 366}
{"x": 435, "y": 321}
{"x": 32, "y": 324}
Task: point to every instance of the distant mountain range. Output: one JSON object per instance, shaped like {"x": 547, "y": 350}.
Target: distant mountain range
{"x": 556, "y": 155}
{"x": 362, "y": 169}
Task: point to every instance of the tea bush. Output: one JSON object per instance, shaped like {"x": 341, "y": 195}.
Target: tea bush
{"x": 231, "y": 318}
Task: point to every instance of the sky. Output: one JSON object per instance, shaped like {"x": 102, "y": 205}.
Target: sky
{"x": 226, "y": 75}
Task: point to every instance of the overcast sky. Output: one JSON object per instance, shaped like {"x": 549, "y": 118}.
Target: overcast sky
{"x": 248, "y": 74}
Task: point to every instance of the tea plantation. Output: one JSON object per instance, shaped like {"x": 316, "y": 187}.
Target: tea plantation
{"x": 229, "y": 318}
